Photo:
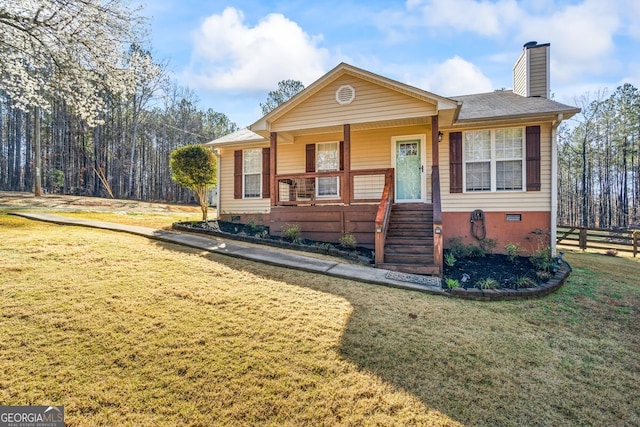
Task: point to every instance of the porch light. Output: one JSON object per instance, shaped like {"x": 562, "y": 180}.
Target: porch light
{"x": 440, "y": 134}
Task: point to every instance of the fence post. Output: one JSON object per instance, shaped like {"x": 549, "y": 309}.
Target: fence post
{"x": 582, "y": 239}
{"x": 635, "y": 243}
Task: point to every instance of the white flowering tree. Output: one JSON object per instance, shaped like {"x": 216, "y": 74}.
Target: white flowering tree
{"x": 146, "y": 78}
{"x": 66, "y": 49}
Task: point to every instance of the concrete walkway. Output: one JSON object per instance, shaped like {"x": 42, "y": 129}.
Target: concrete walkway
{"x": 266, "y": 255}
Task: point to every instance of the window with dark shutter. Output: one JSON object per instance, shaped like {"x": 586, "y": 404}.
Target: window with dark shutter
{"x": 266, "y": 172}
{"x": 455, "y": 162}
{"x": 311, "y": 158}
{"x": 533, "y": 158}
{"x": 237, "y": 174}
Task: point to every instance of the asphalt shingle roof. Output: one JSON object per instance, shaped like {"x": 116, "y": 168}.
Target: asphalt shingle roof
{"x": 504, "y": 104}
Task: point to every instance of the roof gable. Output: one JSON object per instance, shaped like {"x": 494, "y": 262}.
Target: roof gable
{"x": 376, "y": 98}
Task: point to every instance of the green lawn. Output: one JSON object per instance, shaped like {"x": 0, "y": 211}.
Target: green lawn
{"x": 126, "y": 331}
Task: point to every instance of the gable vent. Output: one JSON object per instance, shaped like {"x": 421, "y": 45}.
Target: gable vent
{"x": 345, "y": 94}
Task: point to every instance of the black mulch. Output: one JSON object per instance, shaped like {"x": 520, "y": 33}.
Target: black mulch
{"x": 495, "y": 266}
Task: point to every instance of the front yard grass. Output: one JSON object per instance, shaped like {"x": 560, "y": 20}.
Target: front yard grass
{"x": 126, "y": 331}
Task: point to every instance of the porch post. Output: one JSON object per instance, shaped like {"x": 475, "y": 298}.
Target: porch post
{"x": 346, "y": 184}
{"x": 272, "y": 166}
{"x": 435, "y": 130}
{"x": 435, "y": 191}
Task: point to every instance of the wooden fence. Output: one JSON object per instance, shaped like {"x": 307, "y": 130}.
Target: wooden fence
{"x": 598, "y": 238}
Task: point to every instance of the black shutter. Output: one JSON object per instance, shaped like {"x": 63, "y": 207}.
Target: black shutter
{"x": 237, "y": 174}
{"x": 266, "y": 173}
{"x": 455, "y": 162}
{"x": 533, "y": 158}
{"x": 311, "y": 158}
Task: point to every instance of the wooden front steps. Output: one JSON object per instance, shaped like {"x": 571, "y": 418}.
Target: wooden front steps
{"x": 409, "y": 244}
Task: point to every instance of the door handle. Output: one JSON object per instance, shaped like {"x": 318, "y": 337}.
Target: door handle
{"x": 421, "y": 168}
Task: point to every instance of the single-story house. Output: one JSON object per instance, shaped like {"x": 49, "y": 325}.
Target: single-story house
{"x": 401, "y": 169}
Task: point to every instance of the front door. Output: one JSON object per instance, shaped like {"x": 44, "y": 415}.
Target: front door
{"x": 409, "y": 170}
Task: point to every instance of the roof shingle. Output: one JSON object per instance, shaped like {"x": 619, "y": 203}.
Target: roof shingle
{"x": 505, "y": 104}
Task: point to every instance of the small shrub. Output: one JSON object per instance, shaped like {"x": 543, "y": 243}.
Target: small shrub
{"x": 449, "y": 259}
{"x": 456, "y": 247}
{"x": 452, "y": 283}
{"x": 476, "y": 251}
{"x": 525, "y": 282}
{"x": 291, "y": 232}
{"x": 488, "y": 245}
{"x": 487, "y": 283}
{"x": 255, "y": 228}
{"x": 612, "y": 252}
{"x": 542, "y": 260}
{"x": 348, "y": 241}
{"x": 513, "y": 250}
{"x": 462, "y": 250}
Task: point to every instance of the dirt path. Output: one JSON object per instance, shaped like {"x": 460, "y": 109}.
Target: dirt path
{"x": 57, "y": 202}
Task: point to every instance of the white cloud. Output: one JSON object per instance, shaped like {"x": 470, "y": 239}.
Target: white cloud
{"x": 581, "y": 37}
{"x": 582, "y": 34}
{"x": 631, "y": 17}
{"x": 455, "y": 76}
{"x": 230, "y": 55}
{"x": 481, "y": 17}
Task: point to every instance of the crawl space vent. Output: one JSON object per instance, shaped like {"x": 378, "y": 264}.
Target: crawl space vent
{"x": 345, "y": 94}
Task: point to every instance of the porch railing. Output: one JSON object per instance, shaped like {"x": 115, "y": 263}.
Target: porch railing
{"x": 317, "y": 188}
{"x": 383, "y": 215}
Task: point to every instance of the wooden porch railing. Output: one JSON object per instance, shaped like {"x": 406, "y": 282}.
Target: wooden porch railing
{"x": 383, "y": 215}
{"x": 301, "y": 189}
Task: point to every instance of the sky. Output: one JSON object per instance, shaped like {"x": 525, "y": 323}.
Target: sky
{"x": 232, "y": 53}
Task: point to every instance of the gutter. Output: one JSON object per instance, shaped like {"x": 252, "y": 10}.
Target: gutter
{"x": 554, "y": 182}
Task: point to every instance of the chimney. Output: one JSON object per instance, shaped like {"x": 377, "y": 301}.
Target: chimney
{"x": 531, "y": 72}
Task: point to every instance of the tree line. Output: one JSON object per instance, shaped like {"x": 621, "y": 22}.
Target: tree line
{"x": 123, "y": 157}
{"x": 599, "y": 164}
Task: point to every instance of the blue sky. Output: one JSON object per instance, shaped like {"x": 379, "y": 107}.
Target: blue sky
{"x": 231, "y": 53}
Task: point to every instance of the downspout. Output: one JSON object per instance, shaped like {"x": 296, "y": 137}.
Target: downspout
{"x": 217, "y": 153}
{"x": 554, "y": 182}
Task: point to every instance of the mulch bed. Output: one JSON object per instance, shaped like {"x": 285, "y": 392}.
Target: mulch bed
{"x": 495, "y": 266}
{"x": 260, "y": 234}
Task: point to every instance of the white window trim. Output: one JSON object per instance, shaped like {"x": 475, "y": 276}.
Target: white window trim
{"x": 244, "y": 174}
{"x": 330, "y": 196}
{"x": 493, "y": 161}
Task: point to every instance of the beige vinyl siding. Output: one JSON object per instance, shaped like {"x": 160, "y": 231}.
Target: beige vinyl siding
{"x": 501, "y": 201}
{"x": 229, "y": 205}
{"x": 371, "y": 149}
{"x": 538, "y": 75}
{"x": 520, "y": 75}
{"x": 372, "y": 103}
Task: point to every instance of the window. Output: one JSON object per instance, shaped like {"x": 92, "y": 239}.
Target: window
{"x": 252, "y": 172}
{"x": 328, "y": 159}
{"x": 493, "y": 160}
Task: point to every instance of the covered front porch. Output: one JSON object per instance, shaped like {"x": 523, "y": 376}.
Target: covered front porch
{"x": 405, "y": 230}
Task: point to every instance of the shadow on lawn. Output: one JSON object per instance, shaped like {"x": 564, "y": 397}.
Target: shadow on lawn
{"x": 477, "y": 363}
{"x": 374, "y": 329}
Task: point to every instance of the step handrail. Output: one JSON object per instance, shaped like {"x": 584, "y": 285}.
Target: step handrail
{"x": 383, "y": 215}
